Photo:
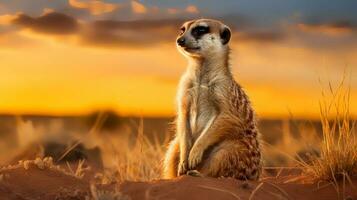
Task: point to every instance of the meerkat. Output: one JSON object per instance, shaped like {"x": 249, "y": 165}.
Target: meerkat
{"x": 216, "y": 128}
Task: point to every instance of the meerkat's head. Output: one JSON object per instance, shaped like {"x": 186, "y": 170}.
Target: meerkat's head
{"x": 203, "y": 38}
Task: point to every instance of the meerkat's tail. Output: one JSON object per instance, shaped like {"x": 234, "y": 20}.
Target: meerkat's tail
{"x": 171, "y": 160}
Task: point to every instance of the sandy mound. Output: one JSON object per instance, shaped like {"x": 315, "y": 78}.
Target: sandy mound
{"x": 40, "y": 179}
{"x": 194, "y": 188}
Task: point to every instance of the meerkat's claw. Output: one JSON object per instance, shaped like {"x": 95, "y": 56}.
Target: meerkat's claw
{"x": 194, "y": 173}
{"x": 182, "y": 168}
{"x": 195, "y": 157}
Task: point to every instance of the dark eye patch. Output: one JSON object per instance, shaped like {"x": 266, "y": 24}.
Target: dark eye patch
{"x": 199, "y": 31}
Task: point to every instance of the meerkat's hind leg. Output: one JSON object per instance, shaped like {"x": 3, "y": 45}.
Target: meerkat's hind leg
{"x": 232, "y": 159}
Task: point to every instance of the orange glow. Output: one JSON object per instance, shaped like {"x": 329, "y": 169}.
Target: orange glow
{"x": 328, "y": 30}
{"x": 58, "y": 76}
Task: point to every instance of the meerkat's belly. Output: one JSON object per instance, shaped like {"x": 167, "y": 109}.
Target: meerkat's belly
{"x": 201, "y": 110}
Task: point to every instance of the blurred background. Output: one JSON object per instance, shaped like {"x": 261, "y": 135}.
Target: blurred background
{"x": 108, "y": 68}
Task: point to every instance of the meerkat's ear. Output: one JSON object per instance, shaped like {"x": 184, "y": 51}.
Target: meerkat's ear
{"x": 225, "y": 35}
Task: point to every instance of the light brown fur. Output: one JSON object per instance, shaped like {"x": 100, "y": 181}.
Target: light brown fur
{"x": 216, "y": 127}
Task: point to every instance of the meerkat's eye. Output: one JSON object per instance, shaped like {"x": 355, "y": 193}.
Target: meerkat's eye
{"x": 182, "y": 30}
{"x": 198, "y": 31}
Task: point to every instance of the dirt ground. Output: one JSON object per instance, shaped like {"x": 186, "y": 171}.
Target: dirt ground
{"x": 30, "y": 180}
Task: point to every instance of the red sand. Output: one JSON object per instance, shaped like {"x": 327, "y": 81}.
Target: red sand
{"x": 209, "y": 188}
{"x": 52, "y": 184}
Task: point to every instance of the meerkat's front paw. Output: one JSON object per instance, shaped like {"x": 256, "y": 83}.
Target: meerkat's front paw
{"x": 182, "y": 168}
{"x": 194, "y": 173}
{"x": 195, "y": 157}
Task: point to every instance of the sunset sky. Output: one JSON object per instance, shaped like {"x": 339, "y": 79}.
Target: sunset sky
{"x": 76, "y": 56}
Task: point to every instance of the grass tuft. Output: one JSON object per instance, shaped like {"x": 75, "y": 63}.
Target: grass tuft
{"x": 338, "y": 156}
{"x": 142, "y": 161}
{"x": 98, "y": 194}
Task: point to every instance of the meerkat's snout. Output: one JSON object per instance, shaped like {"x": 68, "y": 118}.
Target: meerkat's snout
{"x": 181, "y": 41}
{"x": 203, "y": 37}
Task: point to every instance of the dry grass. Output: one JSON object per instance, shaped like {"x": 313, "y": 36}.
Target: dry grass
{"x": 290, "y": 148}
{"x": 338, "y": 158}
{"x": 132, "y": 156}
{"x": 80, "y": 170}
{"x": 98, "y": 194}
{"x": 127, "y": 155}
{"x": 142, "y": 161}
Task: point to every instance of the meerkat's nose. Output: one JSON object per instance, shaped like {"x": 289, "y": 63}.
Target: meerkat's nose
{"x": 181, "y": 41}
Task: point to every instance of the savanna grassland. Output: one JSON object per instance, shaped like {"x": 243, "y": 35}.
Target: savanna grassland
{"x": 105, "y": 156}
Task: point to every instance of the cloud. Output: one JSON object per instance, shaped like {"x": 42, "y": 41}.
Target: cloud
{"x": 192, "y": 9}
{"x": 135, "y": 33}
{"x": 95, "y": 7}
{"x": 172, "y": 11}
{"x": 138, "y": 7}
{"x": 52, "y": 23}
{"x": 131, "y": 33}
{"x": 150, "y": 32}
{"x": 7, "y": 19}
{"x": 260, "y": 36}
{"x": 107, "y": 33}
{"x": 47, "y": 11}
{"x": 137, "y": 24}
{"x": 116, "y": 33}
{"x": 338, "y": 28}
